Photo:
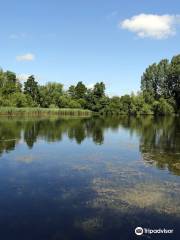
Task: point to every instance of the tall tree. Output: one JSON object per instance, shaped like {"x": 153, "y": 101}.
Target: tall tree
{"x": 9, "y": 83}
{"x": 72, "y": 91}
{"x": 10, "y": 76}
{"x": 80, "y": 90}
{"x": 162, "y": 78}
{"x": 99, "y": 90}
{"x": 31, "y": 88}
{"x": 149, "y": 80}
{"x": 174, "y": 79}
{"x": 50, "y": 93}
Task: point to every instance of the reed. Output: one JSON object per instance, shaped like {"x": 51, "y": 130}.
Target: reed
{"x": 12, "y": 111}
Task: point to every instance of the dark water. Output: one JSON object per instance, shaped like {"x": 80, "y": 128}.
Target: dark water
{"x": 95, "y": 179}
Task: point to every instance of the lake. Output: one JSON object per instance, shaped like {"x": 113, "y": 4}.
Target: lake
{"x": 89, "y": 178}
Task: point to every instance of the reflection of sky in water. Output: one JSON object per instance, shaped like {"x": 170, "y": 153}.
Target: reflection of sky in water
{"x": 84, "y": 191}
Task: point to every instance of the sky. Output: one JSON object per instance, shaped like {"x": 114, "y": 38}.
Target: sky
{"x": 88, "y": 40}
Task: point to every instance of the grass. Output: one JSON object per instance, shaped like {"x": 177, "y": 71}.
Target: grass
{"x": 12, "y": 111}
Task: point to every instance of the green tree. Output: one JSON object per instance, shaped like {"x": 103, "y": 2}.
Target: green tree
{"x": 9, "y": 83}
{"x": 163, "y": 73}
{"x": 174, "y": 79}
{"x": 74, "y": 104}
{"x": 126, "y": 104}
{"x": 63, "y": 101}
{"x": 19, "y": 100}
{"x": 72, "y": 91}
{"x": 31, "y": 88}
{"x": 162, "y": 107}
{"x": 80, "y": 90}
{"x": 149, "y": 80}
{"x": 99, "y": 90}
{"x": 50, "y": 93}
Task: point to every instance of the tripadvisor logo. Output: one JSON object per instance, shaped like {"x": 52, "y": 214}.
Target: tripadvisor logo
{"x": 139, "y": 231}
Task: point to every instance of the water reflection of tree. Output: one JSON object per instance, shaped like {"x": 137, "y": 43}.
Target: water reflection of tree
{"x": 48, "y": 129}
{"x": 159, "y": 141}
{"x": 9, "y": 135}
{"x": 159, "y": 137}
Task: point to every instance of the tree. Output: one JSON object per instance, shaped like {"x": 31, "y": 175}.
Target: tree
{"x": 10, "y": 76}
{"x": 174, "y": 79}
{"x": 9, "y": 83}
{"x": 149, "y": 80}
{"x": 80, "y": 90}
{"x": 50, "y": 93}
{"x": 19, "y": 100}
{"x": 126, "y": 104}
{"x": 44, "y": 98}
{"x": 82, "y": 102}
{"x": 72, "y": 91}
{"x": 63, "y": 102}
{"x": 163, "y": 73}
{"x": 162, "y": 107}
{"x": 160, "y": 81}
{"x": 160, "y": 93}
{"x": 2, "y": 80}
{"x": 74, "y": 104}
{"x": 31, "y": 88}
{"x": 99, "y": 90}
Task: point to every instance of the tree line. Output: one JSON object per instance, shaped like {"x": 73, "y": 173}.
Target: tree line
{"x": 160, "y": 93}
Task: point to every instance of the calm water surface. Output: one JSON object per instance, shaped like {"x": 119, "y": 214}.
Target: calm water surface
{"x": 94, "y": 179}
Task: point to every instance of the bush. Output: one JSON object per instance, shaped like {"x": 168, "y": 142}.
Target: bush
{"x": 63, "y": 102}
{"x": 146, "y": 109}
{"x": 82, "y": 102}
{"x": 74, "y": 104}
{"x": 162, "y": 107}
{"x": 18, "y": 100}
{"x": 52, "y": 106}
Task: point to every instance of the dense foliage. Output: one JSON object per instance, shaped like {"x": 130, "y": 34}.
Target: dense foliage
{"x": 160, "y": 93}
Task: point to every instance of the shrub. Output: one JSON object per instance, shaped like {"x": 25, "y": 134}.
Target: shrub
{"x": 162, "y": 107}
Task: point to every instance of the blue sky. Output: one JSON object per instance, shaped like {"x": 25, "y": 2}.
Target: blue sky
{"x": 70, "y": 41}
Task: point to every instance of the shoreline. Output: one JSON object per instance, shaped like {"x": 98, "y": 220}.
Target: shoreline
{"x": 13, "y": 111}
{"x": 72, "y": 112}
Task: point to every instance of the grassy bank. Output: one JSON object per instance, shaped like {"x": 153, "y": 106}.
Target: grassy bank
{"x": 12, "y": 111}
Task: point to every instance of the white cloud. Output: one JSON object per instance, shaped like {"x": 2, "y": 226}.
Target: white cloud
{"x": 151, "y": 25}
{"x": 25, "y": 57}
